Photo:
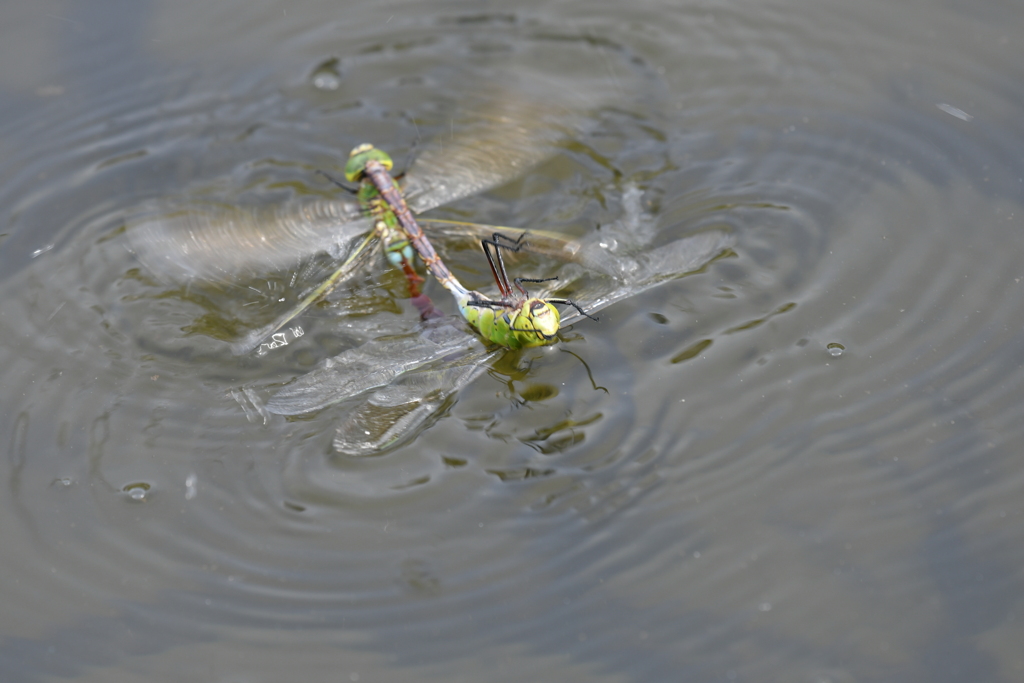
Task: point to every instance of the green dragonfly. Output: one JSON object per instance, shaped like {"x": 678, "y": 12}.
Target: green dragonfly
{"x": 398, "y": 382}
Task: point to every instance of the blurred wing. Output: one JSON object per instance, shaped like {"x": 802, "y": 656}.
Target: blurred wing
{"x": 463, "y": 231}
{"x": 499, "y": 144}
{"x": 448, "y": 236}
{"x": 219, "y": 242}
{"x": 374, "y": 364}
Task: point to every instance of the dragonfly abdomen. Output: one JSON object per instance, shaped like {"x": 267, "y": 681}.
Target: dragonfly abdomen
{"x": 493, "y": 324}
{"x": 396, "y": 203}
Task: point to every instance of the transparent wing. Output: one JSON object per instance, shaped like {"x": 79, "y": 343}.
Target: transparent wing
{"x": 636, "y": 274}
{"x": 631, "y": 272}
{"x": 621, "y": 251}
{"x": 214, "y": 241}
{"x": 375, "y": 364}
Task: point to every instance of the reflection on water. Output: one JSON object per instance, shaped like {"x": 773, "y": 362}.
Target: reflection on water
{"x": 796, "y": 463}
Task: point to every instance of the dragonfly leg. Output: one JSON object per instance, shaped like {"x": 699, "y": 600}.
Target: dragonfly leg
{"x": 529, "y": 329}
{"x": 337, "y": 182}
{"x": 570, "y": 302}
{"x": 497, "y": 264}
{"x": 413, "y": 278}
{"x": 502, "y": 240}
{"x": 425, "y": 306}
{"x": 520, "y": 280}
{"x": 489, "y": 303}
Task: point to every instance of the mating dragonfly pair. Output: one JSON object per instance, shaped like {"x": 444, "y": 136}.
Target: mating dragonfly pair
{"x": 513, "y": 320}
{"x": 400, "y": 381}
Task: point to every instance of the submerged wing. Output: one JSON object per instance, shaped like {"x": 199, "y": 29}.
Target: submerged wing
{"x": 398, "y": 411}
{"x": 373, "y": 365}
{"x": 212, "y": 241}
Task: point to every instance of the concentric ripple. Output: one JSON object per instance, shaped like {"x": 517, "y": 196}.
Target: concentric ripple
{"x": 784, "y": 463}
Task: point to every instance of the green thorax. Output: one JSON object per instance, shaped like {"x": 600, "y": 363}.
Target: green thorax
{"x": 531, "y": 322}
{"x": 358, "y": 157}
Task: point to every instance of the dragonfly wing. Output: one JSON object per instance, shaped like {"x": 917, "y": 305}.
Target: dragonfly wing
{"x": 610, "y": 252}
{"x": 538, "y": 241}
{"x": 490, "y": 151}
{"x": 632, "y": 273}
{"x": 366, "y": 251}
{"x": 451, "y": 236}
{"x": 635, "y": 274}
{"x": 213, "y": 241}
{"x": 401, "y": 410}
{"x": 372, "y": 365}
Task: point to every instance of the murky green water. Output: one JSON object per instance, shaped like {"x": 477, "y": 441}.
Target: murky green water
{"x": 801, "y": 462}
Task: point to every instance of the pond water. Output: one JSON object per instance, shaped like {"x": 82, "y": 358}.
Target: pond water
{"x": 797, "y": 462}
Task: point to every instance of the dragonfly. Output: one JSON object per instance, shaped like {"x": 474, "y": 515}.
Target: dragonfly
{"x": 514, "y": 320}
{"x": 200, "y": 243}
{"x": 398, "y": 383}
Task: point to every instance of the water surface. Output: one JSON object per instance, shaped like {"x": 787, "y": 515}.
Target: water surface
{"x": 795, "y": 464}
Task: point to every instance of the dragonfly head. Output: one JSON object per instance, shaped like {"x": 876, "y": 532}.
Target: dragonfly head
{"x": 541, "y": 319}
{"x": 358, "y": 157}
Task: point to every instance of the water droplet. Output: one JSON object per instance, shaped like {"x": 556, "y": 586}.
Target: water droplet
{"x": 137, "y": 491}
{"x": 190, "y": 486}
{"x": 835, "y": 349}
{"x": 326, "y": 81}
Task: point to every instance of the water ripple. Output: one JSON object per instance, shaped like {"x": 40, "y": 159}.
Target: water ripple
{"x": 698, "y": 475}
